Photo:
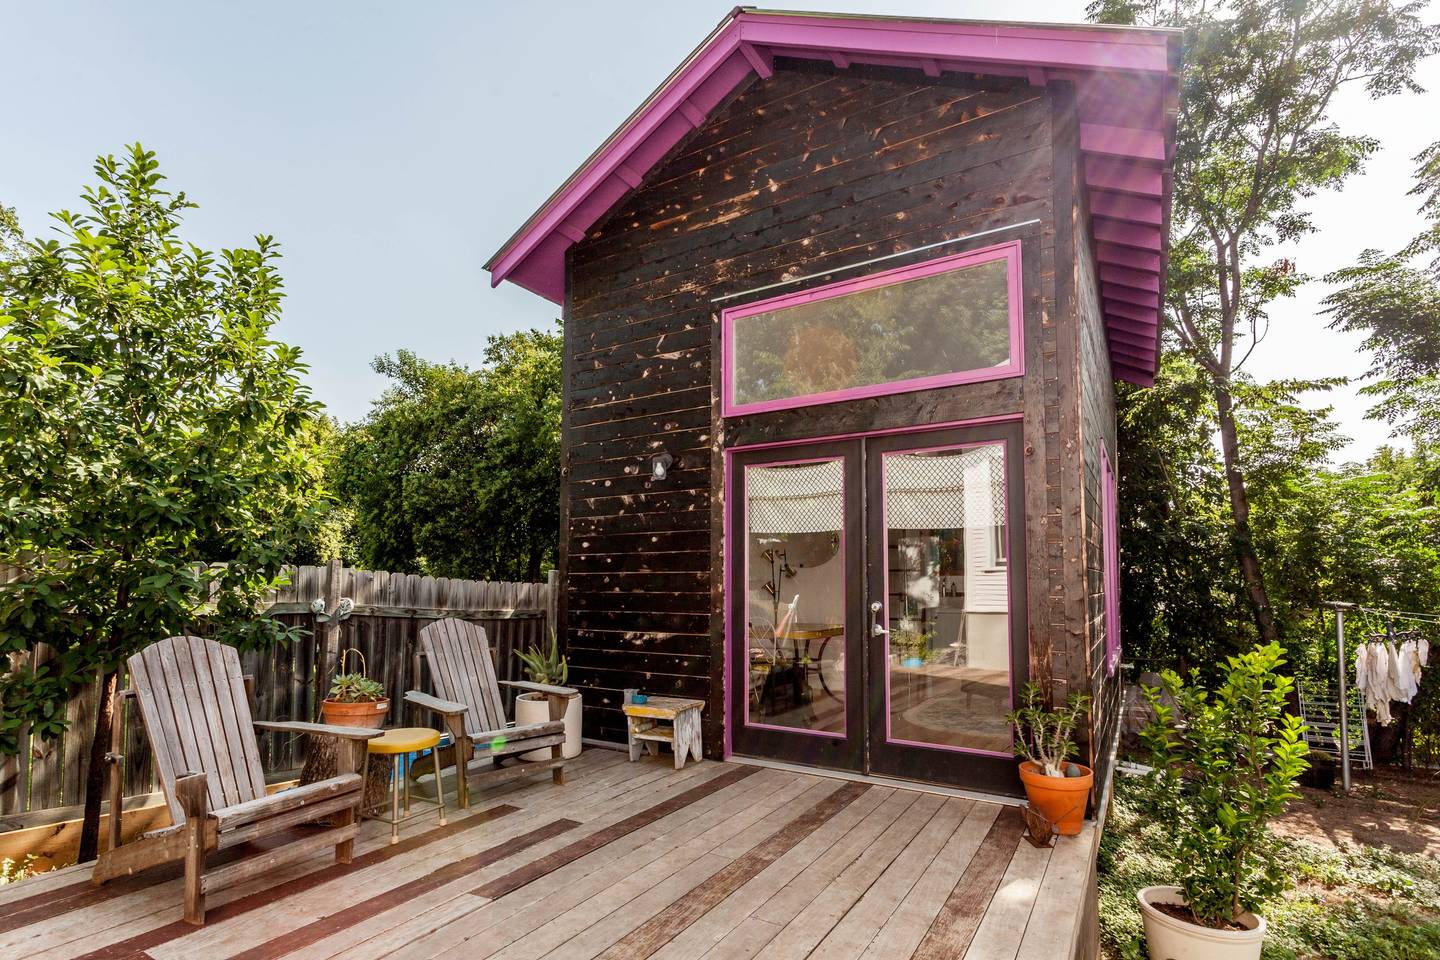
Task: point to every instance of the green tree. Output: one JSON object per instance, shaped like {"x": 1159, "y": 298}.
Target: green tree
{"x": 1395, "y": 303}
{"x": 1182, "y": 599}
{"x": 456, "y": 472}
{"x": 151, "y": 426}
{"x": 11, "y": 237}
{"x": 1255, "y": 139}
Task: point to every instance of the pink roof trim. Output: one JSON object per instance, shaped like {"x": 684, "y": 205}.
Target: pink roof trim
{"x": 1126, "y": 83}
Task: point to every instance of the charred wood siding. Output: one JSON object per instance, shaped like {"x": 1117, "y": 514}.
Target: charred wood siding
{"x": 1097, "y": 428}
{"x": 806, "y": 171}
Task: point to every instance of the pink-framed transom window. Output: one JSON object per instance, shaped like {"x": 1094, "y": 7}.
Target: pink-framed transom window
{"x": 946, "y": 321}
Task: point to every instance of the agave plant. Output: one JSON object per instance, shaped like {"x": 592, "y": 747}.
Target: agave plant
{"x": 545, "y": 665}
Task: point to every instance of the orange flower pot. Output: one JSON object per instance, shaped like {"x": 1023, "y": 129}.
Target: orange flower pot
{"x": 1061, "y": 800}
{"x": 368, "y": 714}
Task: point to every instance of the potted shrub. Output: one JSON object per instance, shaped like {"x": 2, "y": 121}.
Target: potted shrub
{"x": 1055, "y": 786}
{"x": 1224, "y": 765}
{"x": 355, "y": 700}
{"x": 911, "y": 643}
{"x": 548, "y": 666}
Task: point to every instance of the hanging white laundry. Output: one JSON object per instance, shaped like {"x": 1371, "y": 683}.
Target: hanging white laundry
{"x": 1422, "y": 651}
{"x": 1405, "y": 683}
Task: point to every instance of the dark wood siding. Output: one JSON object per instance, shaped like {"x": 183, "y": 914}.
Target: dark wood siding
{"x": 806, "y": 171}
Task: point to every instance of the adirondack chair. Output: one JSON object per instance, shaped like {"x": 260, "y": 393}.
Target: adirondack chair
{"x": 194, "y": 703}
{"x": 469, "y": 704}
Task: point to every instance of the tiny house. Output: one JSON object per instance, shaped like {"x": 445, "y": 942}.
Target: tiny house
{"x": 845, "y": 302}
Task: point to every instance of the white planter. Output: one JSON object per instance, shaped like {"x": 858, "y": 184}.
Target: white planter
{"x": 534, "y": 708}
{"x": 1169, "y": 938}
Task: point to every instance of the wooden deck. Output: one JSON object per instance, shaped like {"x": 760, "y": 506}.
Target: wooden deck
{"x": 717, "y": 860}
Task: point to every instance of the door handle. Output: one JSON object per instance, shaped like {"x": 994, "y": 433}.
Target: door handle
{"x": 876, "y": 630}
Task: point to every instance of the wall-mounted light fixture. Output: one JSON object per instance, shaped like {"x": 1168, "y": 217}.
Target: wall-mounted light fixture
{"x": 660, "y": 465}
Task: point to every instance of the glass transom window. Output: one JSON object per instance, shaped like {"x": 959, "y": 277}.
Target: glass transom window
{"x": 947, "y": 321}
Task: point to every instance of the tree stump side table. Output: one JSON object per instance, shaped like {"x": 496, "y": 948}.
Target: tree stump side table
{"x": 672, "y": 720}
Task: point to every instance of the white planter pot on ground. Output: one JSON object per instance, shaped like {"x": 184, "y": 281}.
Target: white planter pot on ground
{"x": 533, "y": 708}
{"x": 1170, "y": 938}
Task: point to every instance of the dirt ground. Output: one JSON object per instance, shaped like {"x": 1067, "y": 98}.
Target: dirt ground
{"x": 1385, "y": 808}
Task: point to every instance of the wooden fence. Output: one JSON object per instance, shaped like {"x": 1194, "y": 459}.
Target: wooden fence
{"x": 47, "y": 778}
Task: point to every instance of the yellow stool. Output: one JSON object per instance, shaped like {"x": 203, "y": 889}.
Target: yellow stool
{"x": 399, "y": 744}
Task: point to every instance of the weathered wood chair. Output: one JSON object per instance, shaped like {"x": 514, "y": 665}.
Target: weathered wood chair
{"x": 193, "y": 701}
{"x": 469, "y": 703}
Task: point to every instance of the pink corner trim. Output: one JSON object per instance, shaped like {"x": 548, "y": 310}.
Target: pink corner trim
{"x": 1009, "y": 252}
{"x": 1110, "y": 530}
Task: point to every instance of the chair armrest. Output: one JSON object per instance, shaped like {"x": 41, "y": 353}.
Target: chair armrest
{"x": 320, "y": 729}
{"x": 434, "y": 703}
{"x": 544, "y": 688}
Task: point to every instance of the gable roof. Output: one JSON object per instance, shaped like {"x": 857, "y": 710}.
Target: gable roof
{"x": 1126, "y": 89}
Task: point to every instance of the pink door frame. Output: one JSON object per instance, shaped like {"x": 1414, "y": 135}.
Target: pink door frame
{"x": 728, "y": 488}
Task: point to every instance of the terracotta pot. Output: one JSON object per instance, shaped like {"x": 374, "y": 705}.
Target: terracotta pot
{"x": 535, "y": 708}
{"x": 1061, "y": 800}
{"x": 1170, "y": 938}
{"x": 369, "y": 714}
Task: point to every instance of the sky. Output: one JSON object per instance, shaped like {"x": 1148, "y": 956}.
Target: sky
{"x": 392, "y": 148}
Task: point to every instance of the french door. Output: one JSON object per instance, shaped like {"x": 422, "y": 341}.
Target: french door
{"x": 875, "y": 604}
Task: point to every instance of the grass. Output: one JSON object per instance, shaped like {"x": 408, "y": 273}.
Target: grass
{"x": 1359, "y": 903}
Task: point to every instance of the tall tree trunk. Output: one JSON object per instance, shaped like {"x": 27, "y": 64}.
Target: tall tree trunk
{"x": 1240, "y": 514}
{"x": 95, "y": 776}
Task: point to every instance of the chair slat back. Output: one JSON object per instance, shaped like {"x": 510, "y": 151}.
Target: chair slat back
{"x": 197, "y": 717}
{"x": 462, "y": 671}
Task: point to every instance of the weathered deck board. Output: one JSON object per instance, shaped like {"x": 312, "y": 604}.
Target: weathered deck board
{"x": 638, "y": 860}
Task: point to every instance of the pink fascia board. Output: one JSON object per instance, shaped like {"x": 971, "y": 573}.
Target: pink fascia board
{"x": 1126, "y": 234}
{"x": 1141, "y": 358}
{"x": 1138, "y": 279}
{"x": 1127, "y": 311}
{"x": 1141, "y": 260}
{"x": 1010, "y": 252}
{"x": 1124, "y": 206}
{"x": 1133, "y": 344}
{"x": 1054, "y": 47}
{"x": 1142, "y": 333}
{"x": 1141, "y": 298}
{"x": 1132, "y": 374}
{"x": 1112, "y": 141}
{"x": 1120, "y": 176}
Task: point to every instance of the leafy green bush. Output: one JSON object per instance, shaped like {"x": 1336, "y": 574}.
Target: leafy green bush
{"x": 1224, "y": 766}
{"x": 1368, "y": 903}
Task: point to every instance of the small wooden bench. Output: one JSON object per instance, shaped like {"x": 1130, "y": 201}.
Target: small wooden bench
{"x": 644, "y": 720}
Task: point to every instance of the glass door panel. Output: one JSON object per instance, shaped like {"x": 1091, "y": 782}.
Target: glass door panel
{"x": 946, "y": 624}
{"x": 795, "y": 597}
{"x": 795, "y": 586}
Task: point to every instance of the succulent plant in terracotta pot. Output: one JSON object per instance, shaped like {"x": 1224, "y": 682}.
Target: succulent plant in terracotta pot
{"x": 1056, "y": 786}
{"x": 355, "y": 700}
